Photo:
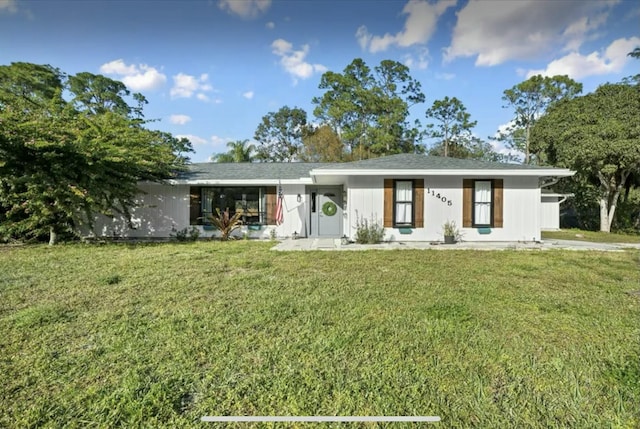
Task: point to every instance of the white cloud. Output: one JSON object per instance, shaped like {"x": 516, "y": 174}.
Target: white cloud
{"x": 499, "y": 146}
{"x": 582, "y": 29}
{"x": 195, "y": 140}
{"x": 138, "y": 77}
{"x": 185, "y": 86}
{"x": 578, "y": 66}
{"x": 445, "y": 76}
{"x": 422, "y": 17}
{"x": 10, "y": 6}
{"x": 270, "y": 25}
{"x": 248, "y": 95}
{"x": 497, "y": 31}
{"x": 219, "y": 141}
{"x": 294, "y": 61}
{"x": 420, "y": 61}
{"x": 179, "y": 119}
{"x": 247, "y": 9}
{"x": 363, "y": 37}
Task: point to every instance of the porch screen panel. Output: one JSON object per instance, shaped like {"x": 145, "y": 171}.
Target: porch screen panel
{"x": 208, "y": 205}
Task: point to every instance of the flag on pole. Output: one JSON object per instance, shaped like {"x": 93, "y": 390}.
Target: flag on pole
{"x": 279, "y": 208}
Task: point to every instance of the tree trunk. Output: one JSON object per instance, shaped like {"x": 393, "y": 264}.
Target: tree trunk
{"x": 605, "y": 225}
{"x": 53, "y": 236}
{"x": 609, "y": 199}
{"x": 526, "y": 144}
{"x": 446, "y": 141}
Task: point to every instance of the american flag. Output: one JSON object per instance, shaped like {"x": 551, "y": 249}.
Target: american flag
{"x": 279, "y": 208}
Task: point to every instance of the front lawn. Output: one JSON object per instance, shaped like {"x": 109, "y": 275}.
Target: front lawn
{"x": 160, "y": 335}
{"x": 592, "y": 236}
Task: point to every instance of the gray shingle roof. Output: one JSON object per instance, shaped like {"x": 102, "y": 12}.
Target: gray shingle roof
{"x": 297, "y": 170}
{"x": 249, "y": 170}
{"x": 410, "y": 161}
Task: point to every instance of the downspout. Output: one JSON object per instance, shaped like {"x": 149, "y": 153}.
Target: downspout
{"x": 552, "y": 182}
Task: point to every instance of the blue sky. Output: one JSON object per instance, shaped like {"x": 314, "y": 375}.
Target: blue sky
{"x": 212, "y": 69}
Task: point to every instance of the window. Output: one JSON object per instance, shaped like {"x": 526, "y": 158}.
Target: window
{"x": 482, "y": 203}
{"x": 248, "y": 201}
{"x": 403, "y": 203}
{"x": 403, "y": 195}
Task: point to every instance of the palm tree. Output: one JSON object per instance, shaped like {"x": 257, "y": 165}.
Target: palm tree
{"x": 239, "y": 151}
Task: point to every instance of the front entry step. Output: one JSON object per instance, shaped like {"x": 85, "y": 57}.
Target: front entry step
{"x": 324, "y": 243}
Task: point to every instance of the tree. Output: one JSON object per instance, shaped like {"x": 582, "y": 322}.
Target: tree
{"x": 369, "y": 109}
{"x": 239, "y": 151}
{"x": 280, "y": 135}
{"x": 455, "y": 125}
{"x": 530, "y": 99}
{"x": 598, "y": 136}
{"x": 61, "y": 165}
{"x": 513, "y": 137}
{"x": 98, "y": 94}
{"x": 322, "y": 144}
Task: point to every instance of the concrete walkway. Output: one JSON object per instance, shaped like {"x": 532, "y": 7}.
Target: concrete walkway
{"x": 335, "y": 244}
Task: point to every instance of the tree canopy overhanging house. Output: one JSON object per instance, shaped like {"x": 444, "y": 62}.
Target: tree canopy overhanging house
{"x": 72, "y": 147}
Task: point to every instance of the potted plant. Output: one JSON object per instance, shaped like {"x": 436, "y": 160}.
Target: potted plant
{"x": 451, "y": 232}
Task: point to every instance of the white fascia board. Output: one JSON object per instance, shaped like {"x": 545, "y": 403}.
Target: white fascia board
{"x": 244, "y": 182}
{"x": 556, "y": 195}
{"x": 557, "y": 172}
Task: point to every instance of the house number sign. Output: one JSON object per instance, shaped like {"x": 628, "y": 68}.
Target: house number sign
{"x": 437, "y": 195}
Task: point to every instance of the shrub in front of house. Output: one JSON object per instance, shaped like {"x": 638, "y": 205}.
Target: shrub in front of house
{"x": 368, "y": 231}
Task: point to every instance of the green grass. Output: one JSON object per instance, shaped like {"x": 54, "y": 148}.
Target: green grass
{"x": 593, "y": 236}
{"x": 160, "y": 335}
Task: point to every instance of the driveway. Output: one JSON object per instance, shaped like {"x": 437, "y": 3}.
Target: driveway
{"x": 302, "y": 244}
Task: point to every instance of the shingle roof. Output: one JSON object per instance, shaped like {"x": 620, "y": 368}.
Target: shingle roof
{"x": 297, "y": 170}
{"x": 249, "y": 170}
{"x": 410, "y": 161}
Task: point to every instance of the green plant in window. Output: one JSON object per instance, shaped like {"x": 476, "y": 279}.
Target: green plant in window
{"x": 226, "y": 224}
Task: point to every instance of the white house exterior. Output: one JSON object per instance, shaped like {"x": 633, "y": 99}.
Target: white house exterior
{"x": 411, "y": 195}
{"x": 550, "y": 210}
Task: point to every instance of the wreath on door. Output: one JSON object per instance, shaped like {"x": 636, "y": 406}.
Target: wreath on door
{"x": 329, "y": 208}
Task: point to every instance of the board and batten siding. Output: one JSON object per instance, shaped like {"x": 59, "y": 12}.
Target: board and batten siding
{"x": 520, "y": 208}
{"x": 161, "y": 208}
{"x": 550, "y": 213}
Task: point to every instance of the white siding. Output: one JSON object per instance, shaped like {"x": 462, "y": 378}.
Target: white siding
{"x": 294, "y": 212}
{"x": 160, "y": 209}
{"x": 550, "y": 213}
{"x": 521, "y": 209}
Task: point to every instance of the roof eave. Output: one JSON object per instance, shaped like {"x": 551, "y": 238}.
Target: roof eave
{"x": 538, "y": 172}
{"x": 256, "y": 182}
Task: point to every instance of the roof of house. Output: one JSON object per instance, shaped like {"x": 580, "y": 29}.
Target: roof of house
{"x": 411, "y": 161}
{"x": 249, "y": 170}
{"x": 295, "y": 171}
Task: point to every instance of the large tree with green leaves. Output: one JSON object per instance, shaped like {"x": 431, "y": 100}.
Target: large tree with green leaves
{"x": 529, "y": 100}
{"x": 369, "y": 109}
{"x": 322, "y": 144}
{"x": 598, "y": 135}
{"x": 62, "y": 162}
{"x": 453, "y": 124}
{"x": 280, "y": 135}
{"x": 239, "y": 151}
